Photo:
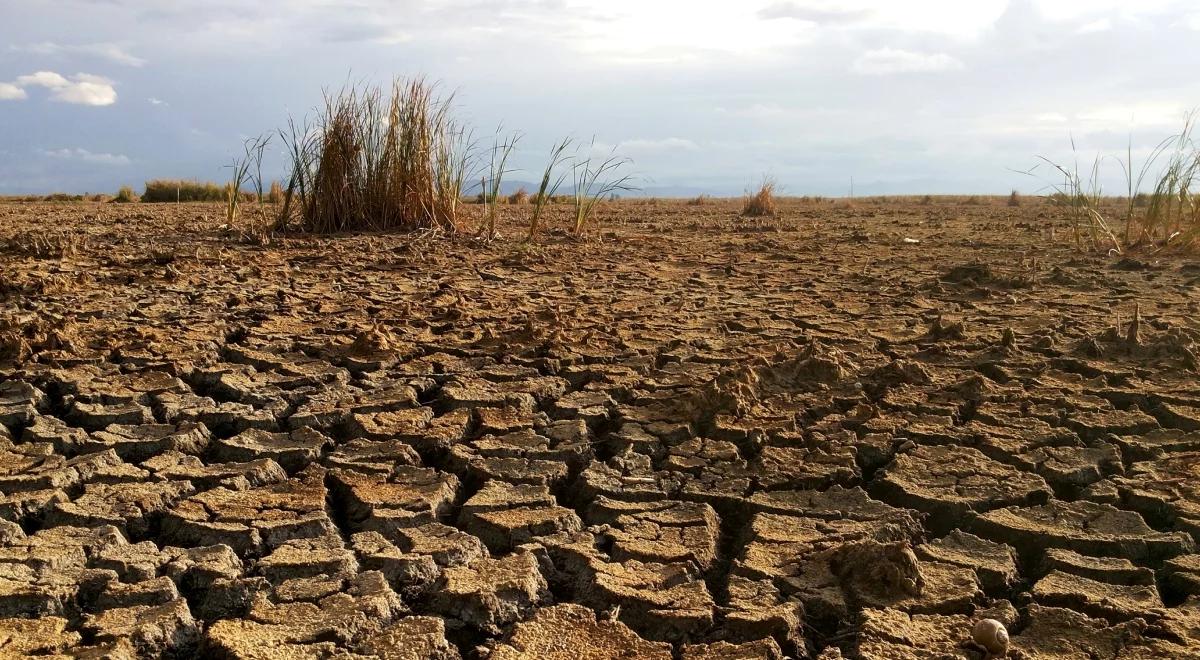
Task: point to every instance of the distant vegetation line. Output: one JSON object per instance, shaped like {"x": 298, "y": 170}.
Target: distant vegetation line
{"x": 521, "y": 196}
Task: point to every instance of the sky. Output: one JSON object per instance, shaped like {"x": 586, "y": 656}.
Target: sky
{"x": 919, "y": 96}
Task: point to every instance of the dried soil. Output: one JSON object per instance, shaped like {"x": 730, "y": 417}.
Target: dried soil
{"x": 691, "y": 435}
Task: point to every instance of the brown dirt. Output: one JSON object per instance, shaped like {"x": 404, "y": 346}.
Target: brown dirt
{"x": 691, "y": 435}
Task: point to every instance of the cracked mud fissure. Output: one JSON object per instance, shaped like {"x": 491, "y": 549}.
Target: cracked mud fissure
{"x": 690, "y": 436}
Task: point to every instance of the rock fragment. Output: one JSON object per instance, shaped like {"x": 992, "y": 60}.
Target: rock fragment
{"x": 951, "y": 481}
{"x": 490, "y": 593}
{"x": 1084, "y": 527}
{"x": 292, "y": 451}
{"x": 252, "y": 521}
{"x": 569, "y": 632}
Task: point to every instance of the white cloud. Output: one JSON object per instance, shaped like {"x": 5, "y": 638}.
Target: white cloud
{"x": 1136, "y": 115}
{"x": 81, "y": 89}
{"x": 755, "y": 111}
{"x": 87, "y": 156}
{"x": 47, "y": 79}
{"x": 946, "y": 17}
{"x": 657, "y": 146}
{"x": 813, "y": 13}
{"x": 108, "y": 50}
{"x": 1073, "y": 9}
{"x": 156, "y": 101}
{"x": 1100, "y": 25}
{"x": 886, "y": 61}
{"x": 11, "y": 92}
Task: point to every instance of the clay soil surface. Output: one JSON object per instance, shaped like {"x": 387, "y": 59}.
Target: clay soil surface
{"x": 850, "y": 431}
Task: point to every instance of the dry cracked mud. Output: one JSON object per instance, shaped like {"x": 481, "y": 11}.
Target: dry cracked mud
{"x": 691, "y": 436}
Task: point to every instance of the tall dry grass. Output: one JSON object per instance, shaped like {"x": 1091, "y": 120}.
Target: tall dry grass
{"x": 1172, "y": 213}
{"x": 761, "y": 203}
{"x": 247, "y": 170}
{"x": 179, "y": 190}
{"x": 1166, "y": 216}
{"x": 377, "y": 159}
{"x": 549, "y": 185}
{"x": 125, "y": 195}
{"x": 520, "y": 196}
{"x": 502, "y": 148}
{"x": 595, "y": 179}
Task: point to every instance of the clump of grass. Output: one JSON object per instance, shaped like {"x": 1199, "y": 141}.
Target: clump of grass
{"x": 549, "y": 185}
{"x": 699, "y": 200}
{"x": 1080, "y": 197}
{"x": 1167, "y": 216}
{"x": 1014, "y": 198}
{"x": 502, "y": 148}
{"x": 594, "y": 180}
{"x": 521, "y": 196}
{"x": 1172, "y": 213}
{"x": 178, "y": 190}
{"x": 762, "y": 203}
{"x": 125, "y": 195}
{"x": 275, "y": 193}
{"x": 377, "y": 160}
{"x": 247, "y": 170}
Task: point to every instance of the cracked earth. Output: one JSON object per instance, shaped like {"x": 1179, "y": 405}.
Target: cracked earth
{"x": 692, "y": 437}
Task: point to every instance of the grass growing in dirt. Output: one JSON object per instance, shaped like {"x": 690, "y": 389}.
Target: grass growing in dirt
{"x": 1166, "y": 217}
{"x": 247, "y": 170}
{"x": 548, "y": 188}
{"x": 594, "y": 180}
{"x": 502, "y": 148}
{"x": 521, "y": 196}
{"x": 125, "y": 195}
{"x": 178, "y": 190}
{"x": 1173, "y": 212}
{"x": 762, "y": 203}
{"x": 387, "y": 159}
{"x": 378, "y": 159}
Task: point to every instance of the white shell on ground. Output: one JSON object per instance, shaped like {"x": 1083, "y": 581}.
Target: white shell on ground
{"x": 991, "y": 635}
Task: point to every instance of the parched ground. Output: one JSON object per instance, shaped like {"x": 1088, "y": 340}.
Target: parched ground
{"x": 851, "y": 431}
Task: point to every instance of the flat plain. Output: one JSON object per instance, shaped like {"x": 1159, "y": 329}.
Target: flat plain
{"x": 852, "y": 430}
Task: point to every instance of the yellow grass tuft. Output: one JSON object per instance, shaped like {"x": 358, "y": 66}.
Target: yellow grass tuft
{"x": 178, "y": 190}
{"x": 378, "y": 160}
{"x": 519, "y": 197}
{"x": 762, "y": 203}
{"x": 125, "y": 195}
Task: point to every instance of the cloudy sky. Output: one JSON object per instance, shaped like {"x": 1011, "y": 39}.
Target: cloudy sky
{"x": 904, "y": 96}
